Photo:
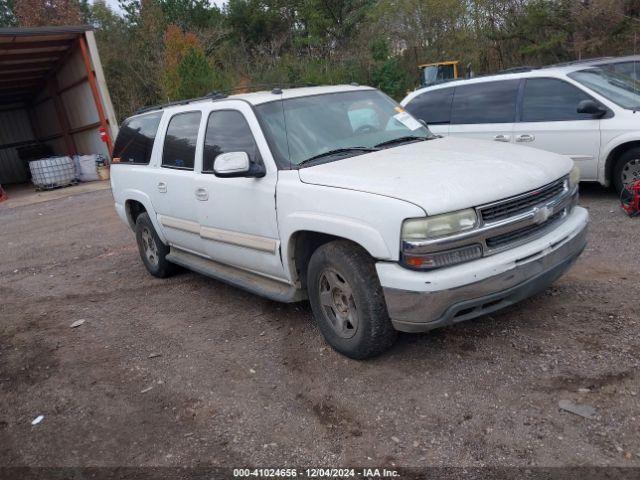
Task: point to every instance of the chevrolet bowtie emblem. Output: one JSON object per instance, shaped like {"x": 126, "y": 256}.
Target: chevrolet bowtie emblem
{"x": 541, "y": 214}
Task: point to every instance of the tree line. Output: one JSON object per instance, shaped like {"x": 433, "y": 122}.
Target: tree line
{"x": 154, "y": 51}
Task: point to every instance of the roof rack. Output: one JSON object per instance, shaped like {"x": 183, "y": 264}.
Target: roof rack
{"x": 211, "y": 96}
{"x": 522, "y": 69}
{"x": 577, "y": 62}
{"x": 275, "y": 88}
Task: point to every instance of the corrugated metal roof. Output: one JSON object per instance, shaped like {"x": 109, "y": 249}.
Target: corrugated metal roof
{"x": 45, "y": 30}
{"x": 28, "y": 55}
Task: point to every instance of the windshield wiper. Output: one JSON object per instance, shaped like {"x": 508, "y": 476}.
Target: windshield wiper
{"x": 408, "y": 138}
{"x": 336, "y": 151}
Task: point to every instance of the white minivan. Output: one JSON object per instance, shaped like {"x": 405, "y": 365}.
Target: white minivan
{"x": 587, "y": 113}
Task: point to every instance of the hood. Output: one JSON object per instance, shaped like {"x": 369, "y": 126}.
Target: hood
{"x": 444, "y": 174}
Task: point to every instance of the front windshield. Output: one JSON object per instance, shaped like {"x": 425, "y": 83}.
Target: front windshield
{"x": 429, "y": 75}
{"x": 620, "y": 89}
{"x": 335, "y": 126}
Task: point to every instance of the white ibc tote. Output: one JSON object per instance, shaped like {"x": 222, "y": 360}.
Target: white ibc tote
{"x": 53, "y": 172}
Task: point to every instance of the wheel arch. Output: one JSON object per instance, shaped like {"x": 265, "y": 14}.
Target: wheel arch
{"x": 136, "y": 203}
{"x": 614, "y": 153}
{"x": 301, "y": 246}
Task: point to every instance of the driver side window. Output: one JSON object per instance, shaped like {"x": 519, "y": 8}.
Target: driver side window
{"x": 552, "y": 100}
{"x": 228, "y": 131}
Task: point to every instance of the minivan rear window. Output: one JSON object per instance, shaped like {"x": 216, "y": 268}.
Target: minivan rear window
{"x": 135, "y": 139}
{"x": 486, "y": 102}
{"x": 434, "y": 107}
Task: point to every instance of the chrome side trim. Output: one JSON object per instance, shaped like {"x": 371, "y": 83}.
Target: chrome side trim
{"x": 179, "y": 224}
{"x": 536, "y": 215}
{"x": 240, "y": 239}
{"x": 254, "y": 242}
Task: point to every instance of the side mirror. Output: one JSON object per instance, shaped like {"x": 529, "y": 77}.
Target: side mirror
{"x": 236, "y": 164}
{"x": 591, "y": 108}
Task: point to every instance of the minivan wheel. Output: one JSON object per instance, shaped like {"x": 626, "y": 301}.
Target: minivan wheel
{"x": 627, "y": 169}
{"x": 347, "y": 300}
{"x": 152, "y": 251}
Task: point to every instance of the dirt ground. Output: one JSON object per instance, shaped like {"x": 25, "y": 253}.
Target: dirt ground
{"x": 189, "y": 371}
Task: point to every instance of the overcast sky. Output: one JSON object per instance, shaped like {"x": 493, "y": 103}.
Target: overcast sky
{"x": 115, "y": 6}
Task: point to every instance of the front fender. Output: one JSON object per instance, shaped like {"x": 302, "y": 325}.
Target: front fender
{"x": 348, "y": 228}
{"x": 609, "y": 147}
{"x": 369, "y": 220}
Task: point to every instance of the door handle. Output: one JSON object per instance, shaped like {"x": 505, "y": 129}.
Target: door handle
{"x": 502, "y": 138}
{"x": 525, "y": 137}
{"x": 162, "y": 187}
{"x": 202, "y": 194}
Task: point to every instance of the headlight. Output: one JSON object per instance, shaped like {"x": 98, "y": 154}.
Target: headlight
{"x": 574, "y": 177}
{"x": 416, "y": 229}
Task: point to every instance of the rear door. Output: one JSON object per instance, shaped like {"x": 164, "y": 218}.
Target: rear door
{"x": 549, "y": 120}
{"x": 434, "y": 108}
{"x": 238, "y": 215}
{"x": 485, "y": 110}
{"x": 173, "y": 192}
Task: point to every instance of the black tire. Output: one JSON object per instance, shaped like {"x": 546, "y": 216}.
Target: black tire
{"x": 353, "y": 270}
{"x": 147, "y": 238}
{"x": 621, "y": 170}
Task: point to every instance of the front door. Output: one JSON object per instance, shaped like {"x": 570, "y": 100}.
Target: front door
{"x": 237, "y": 216}
{"x": 550, "y": 121}
{"x": 173, "y": 190}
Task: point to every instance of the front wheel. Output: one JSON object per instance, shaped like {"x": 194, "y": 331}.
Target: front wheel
{"x": 627, "y": 169}
{"x": 347, "y": 300}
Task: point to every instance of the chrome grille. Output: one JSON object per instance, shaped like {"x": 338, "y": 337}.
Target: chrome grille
{"x": 507, "y": 223}
{"x": 522, "y": 233}
{"x": 510, "y": 207}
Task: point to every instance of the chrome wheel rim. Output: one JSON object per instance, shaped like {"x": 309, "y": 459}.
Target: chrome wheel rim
{"x": 631, "y": 172}
{"x": 336, "y": 298}
{"x": 150, "y": 248}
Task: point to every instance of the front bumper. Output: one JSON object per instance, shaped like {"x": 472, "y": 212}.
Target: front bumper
{"x": 422, "y": 301}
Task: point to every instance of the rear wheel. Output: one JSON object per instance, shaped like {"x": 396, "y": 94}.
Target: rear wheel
{"x": 627, "y": 169}
{"x": 347, "y": 300}
{"x": 152, "y": 251}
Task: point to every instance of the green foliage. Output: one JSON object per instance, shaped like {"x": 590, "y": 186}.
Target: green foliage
{"x": 196, "y": 76}
{"x": 186, "y": 70}
{"x": 391, "y": 78}
{"x": 376, "y": 42}
{"x": 7, "y": 14}
{"x": 254, "y": 22}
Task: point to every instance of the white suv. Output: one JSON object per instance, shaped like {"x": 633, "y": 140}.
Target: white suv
{"x": 337, "y": 195}
{"x": 587, "y": 113}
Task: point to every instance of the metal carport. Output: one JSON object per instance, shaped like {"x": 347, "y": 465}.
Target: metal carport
{"x": 52, "y": 92}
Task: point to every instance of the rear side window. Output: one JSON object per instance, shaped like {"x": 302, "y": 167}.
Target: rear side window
{"x": 228, "y": 131}
{"x": 487, "y": 102}
{"x": 552, "y": 100}
{"x": 433, "y": 107}
{"x": 630, "y": 69}
{"x": 135, "y": 139}
{"x": 180, "y": 141}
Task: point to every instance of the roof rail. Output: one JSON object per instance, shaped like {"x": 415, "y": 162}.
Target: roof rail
{"x": 522, "y": 69}
{"x": 275, "y": 88}
{"x": 211, "y": 96}
{"x": 577, "y": 62}
{"x": 219, "y": 95}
